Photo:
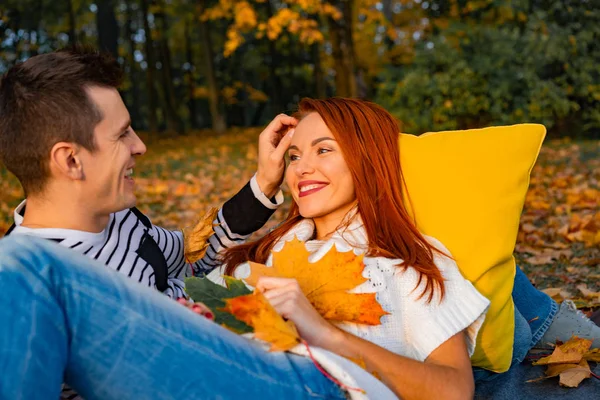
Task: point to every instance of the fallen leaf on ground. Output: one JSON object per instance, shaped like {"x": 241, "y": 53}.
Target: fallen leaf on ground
{"x": 569, "y": 361}
{"x": 587, "y": 292}
{"x": 570, "y": 352}
{"x": 254, "y": 309}
{"x": 592, "y": 355}
{"x": 325, "y": 282}
{"x": 572, "y": 377}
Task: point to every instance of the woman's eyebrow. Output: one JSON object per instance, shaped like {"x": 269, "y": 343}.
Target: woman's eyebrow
{"x": 314, "y": 142}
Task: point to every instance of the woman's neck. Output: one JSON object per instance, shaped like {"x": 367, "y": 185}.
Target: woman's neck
{"x": 327, "y": 225}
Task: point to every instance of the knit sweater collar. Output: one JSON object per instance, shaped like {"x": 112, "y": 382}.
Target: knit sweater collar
{"x": 351, "y": 236}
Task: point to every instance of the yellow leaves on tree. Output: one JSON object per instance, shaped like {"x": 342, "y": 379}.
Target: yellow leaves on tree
{"x": 255, "y": 310}
{"x": 569, "y": 362}
{"x": 195, "y": 238}
{"x": 325, "y": 282}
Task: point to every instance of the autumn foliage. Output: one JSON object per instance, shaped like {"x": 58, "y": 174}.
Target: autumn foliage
{"x": 326, "y": 282}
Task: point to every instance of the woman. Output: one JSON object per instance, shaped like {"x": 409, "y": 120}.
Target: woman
{"x": 345, "y": 177}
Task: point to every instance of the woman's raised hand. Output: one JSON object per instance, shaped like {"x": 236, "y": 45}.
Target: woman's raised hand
{"x": 271, "y": 152}
{"x": 289, "y": 301}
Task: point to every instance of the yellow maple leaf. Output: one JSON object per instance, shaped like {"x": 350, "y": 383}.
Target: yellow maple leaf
{"x": 195, "y": 238}
{"x": 254, "y": 309}
{"x": 592, "y": 355}
{"x": 325, "y": 282}
{"x": 572, "y": 377}
{"x": 570, "y": 352}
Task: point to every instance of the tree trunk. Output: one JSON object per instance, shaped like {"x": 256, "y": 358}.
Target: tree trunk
{"x": 108, "y": 28}
{"x": 275, "y": 81}
{"x": 150, "y": 70}
{"x": 219, "y": 124}
{"x": 320, "y": 90}
{"x": 134, "y": 92}
{"x": 173, "y": 121}
{"x": 342, "y": 44}
{"x": 72, "y": 24}
{"x": 191, "y": 80}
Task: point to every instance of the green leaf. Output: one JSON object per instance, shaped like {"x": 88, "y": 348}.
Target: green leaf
{"x": 212, "y": 295}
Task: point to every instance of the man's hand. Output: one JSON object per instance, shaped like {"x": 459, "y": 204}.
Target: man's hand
{"x": 271, "y": 152}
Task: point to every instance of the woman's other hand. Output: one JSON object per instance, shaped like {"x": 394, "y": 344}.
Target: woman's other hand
{"x": 198, "y": 308}
{"x": 288, "y": 300}
{"x": 271, "y": 152}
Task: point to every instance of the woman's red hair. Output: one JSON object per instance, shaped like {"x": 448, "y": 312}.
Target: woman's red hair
{"x": 368, "y": 138}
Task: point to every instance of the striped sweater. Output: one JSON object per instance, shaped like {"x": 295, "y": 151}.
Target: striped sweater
{"x": 154, "y": 256}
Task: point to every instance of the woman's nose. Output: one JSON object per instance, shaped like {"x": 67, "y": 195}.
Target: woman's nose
{"x": 304, "y": 166}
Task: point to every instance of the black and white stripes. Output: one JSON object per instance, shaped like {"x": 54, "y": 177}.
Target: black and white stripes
{"x": 120, "y": 245}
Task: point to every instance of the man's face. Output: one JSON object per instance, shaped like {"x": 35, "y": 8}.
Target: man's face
{"x": 108, "y": 184}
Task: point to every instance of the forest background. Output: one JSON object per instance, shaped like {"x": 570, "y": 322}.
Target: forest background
{"x": 203, "y": 75}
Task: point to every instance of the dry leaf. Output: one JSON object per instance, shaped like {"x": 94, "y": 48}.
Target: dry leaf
{"x": 540, "y": 260}
{"x": 572, "y": 377}
{"x": 570, "y": 352}
{"x": 557, "y": 369}
{"x": 587, "y": 292}
{"x": 195, "y": 238}
{"x": 325, "y": 282}
{"x": 592, "y": 355}
{"x": 255, "y": 310}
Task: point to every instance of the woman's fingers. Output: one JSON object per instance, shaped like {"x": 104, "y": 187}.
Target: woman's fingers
{"x": 279, "y": 152}
{"x": 267, "y": 283}
{"x": 198, "y": 308}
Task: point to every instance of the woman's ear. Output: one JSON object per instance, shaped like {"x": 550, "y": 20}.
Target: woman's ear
{"x": 65, "y": 161}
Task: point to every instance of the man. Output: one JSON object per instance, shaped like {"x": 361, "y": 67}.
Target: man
{"x": 67, "y": 136}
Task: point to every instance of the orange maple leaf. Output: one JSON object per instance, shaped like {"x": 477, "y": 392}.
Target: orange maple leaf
{"x": 325, "y": 283}
{"x": 255, "y": 310}
{"x": 570, "y": 352}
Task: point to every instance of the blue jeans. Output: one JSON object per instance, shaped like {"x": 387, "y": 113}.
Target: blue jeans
{"x": 66, "y": 317}
{"x": 534, "y": 312}
{"x": 536, "y": 307}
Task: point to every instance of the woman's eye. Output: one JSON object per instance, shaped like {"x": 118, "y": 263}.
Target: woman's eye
{"x": 323, "y": 150}
{"x": 293, "y": 157}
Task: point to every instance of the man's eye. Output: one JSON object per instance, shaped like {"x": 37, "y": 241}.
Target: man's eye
{"x": 125, "y": 133}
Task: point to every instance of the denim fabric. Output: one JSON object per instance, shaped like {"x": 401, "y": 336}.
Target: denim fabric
{"x": 535, "y": 306}
{"x": 534, "y": 312}
{"x": 64, "y": 316}
{"x": 522, "y": 340}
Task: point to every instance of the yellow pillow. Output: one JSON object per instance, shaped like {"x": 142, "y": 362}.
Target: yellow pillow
{"x": 467, "y": 189}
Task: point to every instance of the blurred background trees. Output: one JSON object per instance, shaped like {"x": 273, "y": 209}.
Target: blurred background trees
{"x": 435, "y": 65}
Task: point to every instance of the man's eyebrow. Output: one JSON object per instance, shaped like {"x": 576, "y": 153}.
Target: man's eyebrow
{"x": 313, "y": 143}
{"x": 124, "y": 126}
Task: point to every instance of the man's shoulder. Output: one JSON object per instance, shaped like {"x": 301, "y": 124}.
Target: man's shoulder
{"x": 135, "y": 212}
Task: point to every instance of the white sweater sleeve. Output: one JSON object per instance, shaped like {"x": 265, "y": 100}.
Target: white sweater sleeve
{"x": 428, "y": 325}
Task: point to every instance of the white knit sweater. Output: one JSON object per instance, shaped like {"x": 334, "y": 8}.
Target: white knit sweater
{"x": 413, "y": 328}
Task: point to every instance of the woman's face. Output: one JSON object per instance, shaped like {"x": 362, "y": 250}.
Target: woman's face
{"x": 318, "y": 175}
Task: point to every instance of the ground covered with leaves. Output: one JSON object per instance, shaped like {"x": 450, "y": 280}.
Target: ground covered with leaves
{"x": 558, "y": 246}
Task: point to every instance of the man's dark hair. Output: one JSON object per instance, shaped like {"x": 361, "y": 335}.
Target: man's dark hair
{"x": 44, "y": 101}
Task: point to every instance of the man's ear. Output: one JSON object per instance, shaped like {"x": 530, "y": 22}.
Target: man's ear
{"x": 65, "y": 160}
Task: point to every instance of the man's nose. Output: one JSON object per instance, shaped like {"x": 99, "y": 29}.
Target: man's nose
{"x": 138, "y": 148}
